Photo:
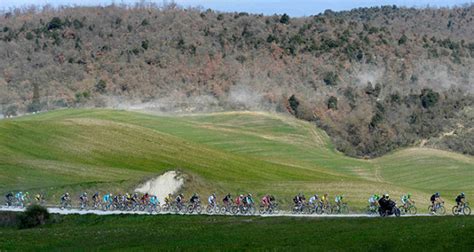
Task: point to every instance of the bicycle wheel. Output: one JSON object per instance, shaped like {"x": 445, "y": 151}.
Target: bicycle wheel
{"x": 466, "y": 210}
{"x": 209, "y": 209}
{"x": 441, "y": 210}
{"x": 224, "y": 210}
{"x": 198, "y": 209}
{"x": 344, "y": 209}
{"x": 261, "y": 210}
{"x": 430, "y": 210}
{"x": 455, "y": 210}
{"x": 412, "y": 210}
{"x": 235, "y": 210}
{"x": 252, "y": 210}
{"x": 158, "y": 208}
{"x": 275, "y": 210}
{"x": 190, "y": 209}
{"x": 396, "y": 211}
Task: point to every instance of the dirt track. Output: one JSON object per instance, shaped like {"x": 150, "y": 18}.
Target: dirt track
{"x": 284, "y": 214}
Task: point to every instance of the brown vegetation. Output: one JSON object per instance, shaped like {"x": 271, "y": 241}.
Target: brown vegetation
{"x": 373, "y": 78}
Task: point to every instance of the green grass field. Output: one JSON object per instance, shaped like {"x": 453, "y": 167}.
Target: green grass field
{"x": 237, "y": 152}
{"x": 207, "y": 233}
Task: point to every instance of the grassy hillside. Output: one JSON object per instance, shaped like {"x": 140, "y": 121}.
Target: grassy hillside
{"x": 233, "y": 152}
{"x": 206, "y": 233}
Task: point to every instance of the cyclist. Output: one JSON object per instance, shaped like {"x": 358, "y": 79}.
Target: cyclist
{"x": 227, "y": 200}
{"x": 9, "y": 198}
{"x": 406, "y": 200}
{"x": 212, "y": 200}
{"x": 39, "y": 198}
{"x": 314, "y": 200}
{"x": 373, "y": 200}
{"x": 19, "y": 198}
{"x": 239, "y": 200}
{"x": 107, "y": 198}
{"x": 83, "y": 199}
{"x": 26, "y": 197}
{"x": 460, "y": 199}
{"x": 299, "y": 199}
{"x": 435, "y": 199}
{"x": 65, "y": 198}
{"x": 95, "y": 198}
{"x": 179, "y": 199}
{"x": 194, "y": 199}
{"x": 144, "y": 199}
{"x": 272, "y": 200}
{"x": 154, "y": 200}
{"x": 338, "y": 199}
{"x": 248, "y": 200}
{"x": 266, "y": 201}
{"x": 325, "y": 199}
{"x": 168, "y": 199}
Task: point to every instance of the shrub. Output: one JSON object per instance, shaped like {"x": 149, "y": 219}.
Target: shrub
{"x": 294, "y": 103}
{"x": 55, "y": 23}
{"x": 403, "y": 39}
{"x": 101, "y": 86}
{"x": 29, "y": 36}
{"x": 145, "y": 44}
{"x": 428, "y": 98}
{"x": 332, "y": 103}
{"x": 330, "y": 78}
{"x": 285, "y": 19}
{"x": 35, "y": 215}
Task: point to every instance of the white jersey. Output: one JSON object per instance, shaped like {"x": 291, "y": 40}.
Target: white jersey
{"x": 372, "y": 200}
{"x": 312, "y": 200}
{"x": 211, "y": 199}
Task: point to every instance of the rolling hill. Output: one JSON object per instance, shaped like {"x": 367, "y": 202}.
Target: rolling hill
{"x": 237, "y": 152}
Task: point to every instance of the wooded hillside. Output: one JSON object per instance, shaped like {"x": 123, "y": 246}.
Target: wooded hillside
{"x": 374, "y": 78}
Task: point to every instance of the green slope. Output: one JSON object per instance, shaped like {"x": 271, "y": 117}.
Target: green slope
{"x": 235, "y": 151}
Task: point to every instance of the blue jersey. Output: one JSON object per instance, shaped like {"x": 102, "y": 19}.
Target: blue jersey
{"x": 19, "y": 196}
{"x": 154, "y": 200}
{"x": 106, "y": 198}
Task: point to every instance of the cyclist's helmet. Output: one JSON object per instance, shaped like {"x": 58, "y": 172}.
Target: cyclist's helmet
{"x": 409, "y": 195}
{"x": 462, "y": 194}
{"x": 387, "y": 196}
{"x": 67, "y": 194}
{"x": 85, "y": 193}
{"x": 437, "y": 193}
{"x": 27, "y": 193}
